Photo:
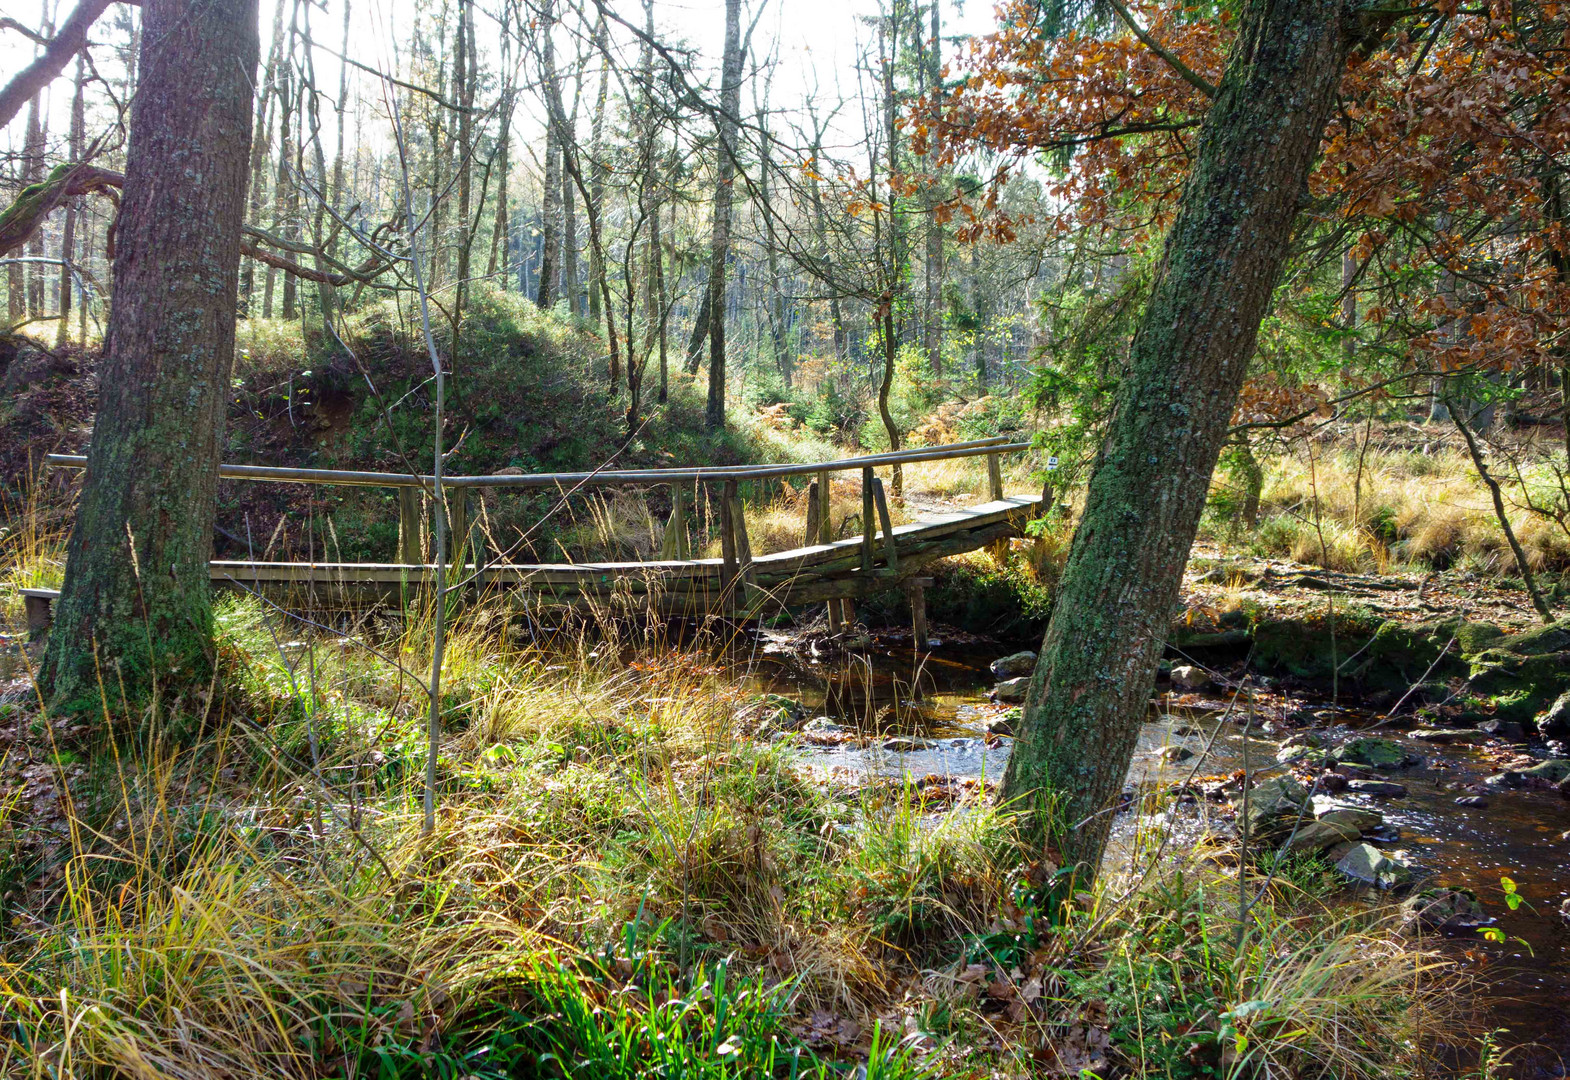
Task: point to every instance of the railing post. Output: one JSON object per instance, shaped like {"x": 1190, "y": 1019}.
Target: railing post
{"x": 458, "y": 524}
{"x": 812, "y": 533}
{"x": 890, "y": 548}
{"x": 869, "y": 522}
{"x": 825, "y": 513}
{"x": 995, "y": 477}
{"x": 728, "y": 583}
{"x": 746, "y": 577}
{"x": 675, "y": 545}
{"x": 411, "y": 526}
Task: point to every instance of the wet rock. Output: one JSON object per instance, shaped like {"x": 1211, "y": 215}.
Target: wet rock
{"x": 1189, "y": 677}
{"x": 1475, "y": 802}
{"x": 905, "y": 744}
{"x": 770, "y": 714}
{"x": 823, "y": 725}
{"x": 1555, "y": 721}
{"x": 1563, "y": 787}
{"x": 1367, "y": 865}
{"x": 1510, "y": 778}
{"x": 1003, "y": 723}
{"x": 1445, "y": 736}
{"x": 1291, "y": 752}
{"x": 1174, "y": 753}
{"x": 1012, "y": 689}
{"x": 1372, "y": 753}
{"x": 1360, "y": 818}
{"x": 1273, "y": 805}
{"x": 1554, "y": 770}
{"x": 1313, "y": 837}
{"x": 1508, "y": 730}
{"x": 1014, "y": 665}
{"x": 1442, "y": 909}
{"x": 1386, "y": 788}
{"x": 1187, "y": 730}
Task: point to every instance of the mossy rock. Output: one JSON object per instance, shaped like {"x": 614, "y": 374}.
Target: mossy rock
{"x": 1402, "y": 654}
{"x": 1375, "y": 753}
{"x": 1520, "y": 686}
{"x": 1304, "y": 647}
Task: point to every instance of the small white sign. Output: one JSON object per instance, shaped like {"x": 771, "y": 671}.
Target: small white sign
{"x": 1052, "y": 462}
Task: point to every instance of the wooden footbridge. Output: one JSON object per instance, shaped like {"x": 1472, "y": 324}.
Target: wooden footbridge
{"x": 825, "y": 569}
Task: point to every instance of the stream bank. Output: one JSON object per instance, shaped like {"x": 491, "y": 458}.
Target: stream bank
{"x": 1460, "y": 802}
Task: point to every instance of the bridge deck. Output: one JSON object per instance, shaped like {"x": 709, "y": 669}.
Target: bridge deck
{"x": 797, "y": 576}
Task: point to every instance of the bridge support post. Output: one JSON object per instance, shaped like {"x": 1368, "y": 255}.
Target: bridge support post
{"x": 994, "y": 477}
{"x": 826, "y": 536}
{"x": 916, "y": 589}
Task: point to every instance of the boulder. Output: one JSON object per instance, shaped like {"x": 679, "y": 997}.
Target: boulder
{"x": 1313, "y": 837}
{"x": 1443, "y": 736}
{"x": 1442, "y": 909}
{"x": 1386, "y": 788}
{"x": 1475, "y": 802}
{"x": 1555, "y": 721}
{"x": 1508, "y": 730}
{"x": 1003, "y": 723}
{"x": 1273, "y": 805}
{"x": 1371, "y": 752}
{"x": 1014, "y": 665}
{"x": 904, "y": 744}
{"x": 1367, "y": 865}
{"x": 1189, "y": 677}
{"x": 1553, "y": 770}
{"x": 1360, "y": 818}
{"x": 1012, "y": 689}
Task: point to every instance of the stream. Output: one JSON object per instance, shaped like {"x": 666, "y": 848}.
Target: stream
{"x": 1520, "y": 834}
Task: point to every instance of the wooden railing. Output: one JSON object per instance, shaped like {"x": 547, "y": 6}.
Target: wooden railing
{"x": 735, "y": 545}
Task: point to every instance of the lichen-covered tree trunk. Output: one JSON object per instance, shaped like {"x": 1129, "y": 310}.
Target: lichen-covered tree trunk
{"x": 1222, "y": 258}
{"x": 135, "y": 604}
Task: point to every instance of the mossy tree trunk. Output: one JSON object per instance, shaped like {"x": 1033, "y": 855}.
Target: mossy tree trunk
{"x": 1222, "y": 257}
{"x": 135, "y": 604}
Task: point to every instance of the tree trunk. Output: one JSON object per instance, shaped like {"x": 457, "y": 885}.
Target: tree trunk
{"x": 33, "y": 148}
{"x": 598, "y": 170}
{"x": 719, "y": 245}
{"x": 259, "y": 145}
{"x": 135, "y": 606}
{"x": 551, "y": 196}
{"x": 932, "y": 306}
{"x": 68, "y": 233}
{"x": 1222, "y": 257}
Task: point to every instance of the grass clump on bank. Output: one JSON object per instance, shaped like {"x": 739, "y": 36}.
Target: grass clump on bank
{"x": 617, "y": 885}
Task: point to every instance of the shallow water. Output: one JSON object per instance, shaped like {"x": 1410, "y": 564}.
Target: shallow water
{"x": 1521, "y": 835}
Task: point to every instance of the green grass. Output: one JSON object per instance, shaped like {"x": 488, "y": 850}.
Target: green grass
{"x": 617, "y": 885}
